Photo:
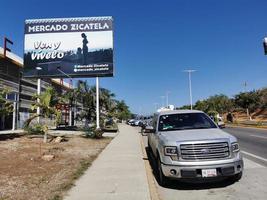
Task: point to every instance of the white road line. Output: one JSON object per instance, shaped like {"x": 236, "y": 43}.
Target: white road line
{"x": 255, "y": 156}
{"x": 264, "y": 137}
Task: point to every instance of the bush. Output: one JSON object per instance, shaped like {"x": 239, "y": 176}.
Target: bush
{"x": 94, "y": 133}
{"x": 36, "y": 129}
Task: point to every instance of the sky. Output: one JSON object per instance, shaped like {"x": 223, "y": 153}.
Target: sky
{"x": 154, "y": 41}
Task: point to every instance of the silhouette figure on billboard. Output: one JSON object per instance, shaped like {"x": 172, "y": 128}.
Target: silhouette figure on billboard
{"x": 85, "y": 48}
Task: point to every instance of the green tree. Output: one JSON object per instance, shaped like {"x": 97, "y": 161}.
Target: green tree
{"x": 202, "y": 105}
{"x": 220, "y": 103}
{"x": 185, "y": 107}
{"x": 248, "y": 101}
{"x": 46, "y": 101}
{"x": 6, "y": 107}
{"x": 263, "y": 98}
{"x": 122, "y": 111}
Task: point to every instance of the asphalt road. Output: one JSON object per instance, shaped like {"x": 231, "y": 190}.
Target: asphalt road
{"x": 252, "y": 185}
{"x": 253, "y": 143}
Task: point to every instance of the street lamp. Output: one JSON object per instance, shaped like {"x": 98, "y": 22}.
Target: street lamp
{"x": 189, "y": 71}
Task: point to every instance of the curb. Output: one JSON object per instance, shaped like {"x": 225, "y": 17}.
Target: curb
{"x": 244, "y": 126}
{"x": 154, "y": 195}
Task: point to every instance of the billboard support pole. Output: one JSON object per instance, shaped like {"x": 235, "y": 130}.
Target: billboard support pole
{"x": 38, "y": 100}
{"x": 14, "y": 115}
{"x": 97, "y": 103}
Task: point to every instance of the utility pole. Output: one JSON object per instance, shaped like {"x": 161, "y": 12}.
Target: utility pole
{"x": 156, "y": 106}
{"x": 167, "y": 98}
{"x": 162, "y": 97}
{"x": 245, "y": 86}
{"x": 190, "y": 71}
{"x": 245, "y": 90}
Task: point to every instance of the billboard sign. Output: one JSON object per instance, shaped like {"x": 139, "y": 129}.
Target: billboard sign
{"x": 68, "y": 47}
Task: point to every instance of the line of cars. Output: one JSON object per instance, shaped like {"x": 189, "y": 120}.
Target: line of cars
{"x": 134, "y": 122}
{"x": 145, "y": 124}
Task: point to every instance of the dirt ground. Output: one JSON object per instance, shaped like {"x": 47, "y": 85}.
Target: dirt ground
{"x": 24, "y": 175}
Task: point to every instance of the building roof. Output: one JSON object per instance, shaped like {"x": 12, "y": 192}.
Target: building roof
{"x": 19, "y": 62}
{"x": 63, "y": 84}
{"x": 13, "y": 57}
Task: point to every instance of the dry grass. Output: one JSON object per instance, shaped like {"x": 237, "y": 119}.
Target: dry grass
{"x": 24, "y": 175}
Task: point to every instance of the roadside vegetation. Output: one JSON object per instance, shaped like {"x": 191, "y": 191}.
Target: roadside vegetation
{"x": 6, "y": 106}
{"x": 24, "y": 174}
{"x": 244, "y": 106}
{"x": 83, "y": 96}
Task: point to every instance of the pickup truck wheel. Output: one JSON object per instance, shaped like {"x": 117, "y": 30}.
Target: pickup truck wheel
{"x": 162, "y": 180}
{"x": 236, "y": 177}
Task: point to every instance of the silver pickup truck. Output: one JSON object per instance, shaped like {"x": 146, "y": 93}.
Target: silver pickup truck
{"x": 188, "y": 144}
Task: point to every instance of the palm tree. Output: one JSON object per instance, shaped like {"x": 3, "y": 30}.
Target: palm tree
{"x": 122, "y": 110}
{"x": 47, "y": 102}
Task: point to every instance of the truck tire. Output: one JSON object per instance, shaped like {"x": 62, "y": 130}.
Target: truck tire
{"x": 162, "y": 179}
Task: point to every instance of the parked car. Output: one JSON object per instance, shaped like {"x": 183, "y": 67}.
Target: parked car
{"x": 187, "y": 144}
{"x": 136, "y": 123}
{"x": 131, "y": 121}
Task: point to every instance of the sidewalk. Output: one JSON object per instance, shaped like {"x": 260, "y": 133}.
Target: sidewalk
{"x": 118, "y": 173}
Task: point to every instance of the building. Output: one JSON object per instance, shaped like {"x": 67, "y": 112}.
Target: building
{"x": 21, "y": 90}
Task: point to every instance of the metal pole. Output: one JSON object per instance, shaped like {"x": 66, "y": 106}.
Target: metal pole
{"x": 190, "y": 90}
{"x": 97, "y": 103}
{"x": 162, "y": 102}
{"x": 167, "y": 98}
{"x": 190, "y": 86}
{"x": 70, "y": 115}
{"x": 156, "y": 106}
{"x": 38, "y": 100}
{"x": 14, "y": 116}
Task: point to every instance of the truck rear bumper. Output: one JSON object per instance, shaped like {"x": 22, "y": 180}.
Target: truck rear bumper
{"x": 222, "y": 170}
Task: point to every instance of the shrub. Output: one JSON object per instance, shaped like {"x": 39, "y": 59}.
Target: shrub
{"x": 36, "y": 129}
{"x": 94, "y": 133}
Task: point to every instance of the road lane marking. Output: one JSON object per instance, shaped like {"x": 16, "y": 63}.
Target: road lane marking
{"x": 255, "y": 156}
{"x": 250, "y": 164}
{"x": 264, "y": 137}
